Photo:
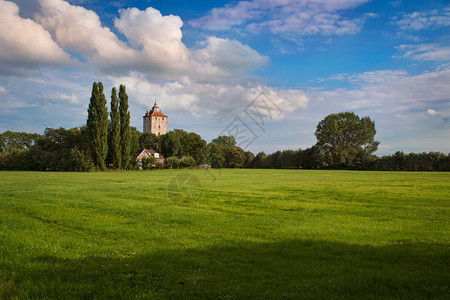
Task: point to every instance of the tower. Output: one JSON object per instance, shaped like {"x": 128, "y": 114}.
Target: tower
{"x": 155, "y": 121}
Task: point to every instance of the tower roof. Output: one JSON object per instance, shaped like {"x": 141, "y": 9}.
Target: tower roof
{"x": 155, "y": 112}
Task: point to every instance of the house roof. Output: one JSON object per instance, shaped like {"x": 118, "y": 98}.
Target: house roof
{"x": 149, "y": 152}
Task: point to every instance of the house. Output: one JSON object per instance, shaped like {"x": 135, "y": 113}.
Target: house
{"x": 147, "y": 153}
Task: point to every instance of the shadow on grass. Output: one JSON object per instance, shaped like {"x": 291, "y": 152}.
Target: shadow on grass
{"x": 286, "y": 269}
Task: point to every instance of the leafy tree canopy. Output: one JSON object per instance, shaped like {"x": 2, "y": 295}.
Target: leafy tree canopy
{"x": 345, "y": 138}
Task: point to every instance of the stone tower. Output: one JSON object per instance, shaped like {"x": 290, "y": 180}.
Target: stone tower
{"x": 155, "y": 121}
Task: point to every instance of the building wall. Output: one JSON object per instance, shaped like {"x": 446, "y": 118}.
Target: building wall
{"x": 158, "y": 125}
{"x": 147, "y": 124}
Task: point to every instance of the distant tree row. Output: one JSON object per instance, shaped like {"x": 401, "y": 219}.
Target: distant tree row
{"x": 313, "y": 158}
{"x": 344, "y": 141}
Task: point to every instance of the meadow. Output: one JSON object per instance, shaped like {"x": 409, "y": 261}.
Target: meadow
{"x": 233, "y": 233}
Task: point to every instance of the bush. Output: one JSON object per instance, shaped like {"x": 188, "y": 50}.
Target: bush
{"x": 187, "y": 161}
{"x": 172, "y": 162}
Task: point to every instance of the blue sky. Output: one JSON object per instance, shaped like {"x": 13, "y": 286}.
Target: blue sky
{"x": 214, "y": 66}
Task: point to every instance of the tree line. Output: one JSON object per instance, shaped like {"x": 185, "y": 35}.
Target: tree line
{"x": 107, "y": 141}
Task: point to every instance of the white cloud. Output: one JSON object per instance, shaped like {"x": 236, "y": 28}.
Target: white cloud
{"x": 2, "y": 89}
{"x": 155, "y": 44}
{"x": 158, "y": 36}
{"x": 223, "y": 59}
{"x": 393, "y": 90}
{"x": 433, "y": 52}
{"x": 206, "y": 98}
{"x": 430, "y": 19}
{"x": 24, "y": 43}
{"x": 431, "y": 112}
{"x": 79, "y": 30}
{"x": 290, "y": 18}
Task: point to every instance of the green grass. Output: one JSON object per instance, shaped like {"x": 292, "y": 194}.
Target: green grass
{"x": 224, "y": 234}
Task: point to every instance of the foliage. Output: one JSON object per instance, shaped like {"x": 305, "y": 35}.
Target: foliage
{"x": 114, "y": 154}
{"x": 172, "y": 162}
{"x": 97, "y": 125}
{"x": 149, "y": 141}
{"x": 11, "y": 141}
{"x": 147, "y": 162}
{"x": 169, "y": 144}
{"x": 235, "y": 157}
{"x": 431, "y": 161}
{"x": 225, "y": 140}
{"x": 346, "y": 139}
{"x": 216, "y": 155}
{"x": 57, "y": 150}
{"x": 125, "y": 130}
{"x": 187, "y": 161}
{"x": 249, "y": 156}
{"x": 241, "y": 234}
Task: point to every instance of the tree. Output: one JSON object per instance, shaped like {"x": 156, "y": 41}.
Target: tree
{"x": 216, "y": 155}
{"x": 226, "y": 140}
{"x": 114, "y": 155}
{"x": 187, "y": 161}
{"x": 235, "y": 157}
{"x": 249, "y": 156}
{"x": 172, "y": 162}
{"x": 148, "y": 162}
{"x": 11, "y": 140}
{"x": 169, "y": 144}
{"x": 343, "y": 137}
{"x": 97, "y": 124}
{"x": 134, "y": 146}
{"x": 125, "y": 131}
{"x": 260, "y": 160}
{"x": 149, "y": 141}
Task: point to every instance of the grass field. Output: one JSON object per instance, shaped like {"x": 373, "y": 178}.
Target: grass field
{"x": 224, "y": 234}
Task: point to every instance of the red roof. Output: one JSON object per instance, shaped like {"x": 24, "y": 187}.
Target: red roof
{"x": 158, "y": 114}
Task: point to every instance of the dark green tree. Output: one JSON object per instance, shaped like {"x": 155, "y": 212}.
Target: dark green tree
{"x": 226, "y": 140}
{"x": 169, "y": 144}
{"x": 125, "y": 131}
{"x": 97, "y": 125}
{"x": 235, "y": 157}
{"x": 216, "y": 155}
{"x": 149, "y": 141}
{"x": 249, "y": 156}
{"x": 114, "y": 155}
{"x": 345, "y": 138}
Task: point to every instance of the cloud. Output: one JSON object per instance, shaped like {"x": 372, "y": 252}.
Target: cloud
{"x": 430, "y": 19}
{"x": 284, "y": 17}
{"x": 431, "y": 112}
{"x": 221, "y": 60}
{"x": 153, "y": 44}
{"x": 79, "y": 30}
{"x": 24, "y": 43}
{"x": 371, "y": 77}
{"x": 432, "y": 52}
{"x": 158, "y": 36}
{"x": 393, "y": 90}
{"x": 221, "y": 100}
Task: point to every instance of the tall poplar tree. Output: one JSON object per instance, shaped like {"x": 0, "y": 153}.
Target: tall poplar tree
{"x": 114, "y": 154}
{"x": 125, "y": 131}
{"x": 97, "y": 125}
